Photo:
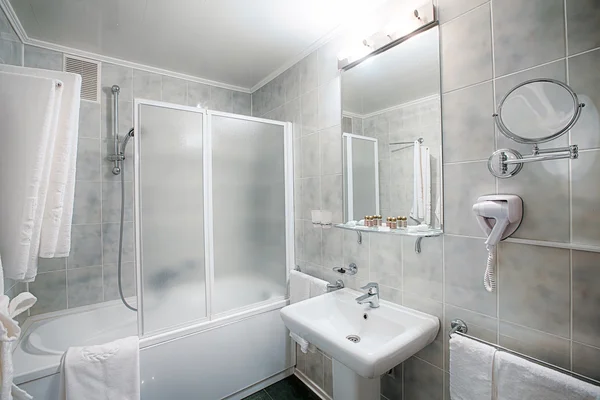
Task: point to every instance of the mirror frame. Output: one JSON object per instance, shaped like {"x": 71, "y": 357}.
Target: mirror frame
{"x": 513, "y": 136}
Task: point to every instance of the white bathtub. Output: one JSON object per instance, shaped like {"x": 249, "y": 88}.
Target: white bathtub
{"x": 227, "y": 357}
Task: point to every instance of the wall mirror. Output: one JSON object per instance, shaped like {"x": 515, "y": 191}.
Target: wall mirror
{"x": 391, "y": 140}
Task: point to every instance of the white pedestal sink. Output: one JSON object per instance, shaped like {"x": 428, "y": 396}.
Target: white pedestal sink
{"x": 364, "y": 342}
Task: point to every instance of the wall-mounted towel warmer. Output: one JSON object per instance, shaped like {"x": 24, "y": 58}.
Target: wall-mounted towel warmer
{"x": 458, "y": 326}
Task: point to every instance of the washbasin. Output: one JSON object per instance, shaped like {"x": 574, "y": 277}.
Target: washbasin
{"x": 369, "y": 341}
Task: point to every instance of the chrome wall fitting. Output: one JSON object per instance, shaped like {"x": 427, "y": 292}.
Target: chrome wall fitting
{"x": 351, "y": 270}
{"x": 533, "y": 112}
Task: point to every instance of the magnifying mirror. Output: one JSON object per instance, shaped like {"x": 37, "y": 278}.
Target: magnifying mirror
{"x": 537, "y": 111}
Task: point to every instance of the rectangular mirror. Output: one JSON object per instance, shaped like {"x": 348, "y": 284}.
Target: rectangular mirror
{"x": 392, "y": 137}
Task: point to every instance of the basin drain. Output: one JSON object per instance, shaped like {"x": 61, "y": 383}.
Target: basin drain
{"x": 353, "y": 338}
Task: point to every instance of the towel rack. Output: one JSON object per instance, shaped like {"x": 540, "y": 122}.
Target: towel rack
{"x": 458, "y": 326}
{"x": 419, "y": 139}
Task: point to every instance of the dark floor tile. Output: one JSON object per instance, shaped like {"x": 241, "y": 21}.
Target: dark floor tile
{"x": 290, "y": 388}
{"x": 262, "y": 395}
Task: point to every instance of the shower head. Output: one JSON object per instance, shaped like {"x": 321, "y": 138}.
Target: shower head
{"x": 126, "y": 140}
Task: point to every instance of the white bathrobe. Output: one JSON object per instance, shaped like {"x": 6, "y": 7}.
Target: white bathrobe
{"x": 9, "y": 334}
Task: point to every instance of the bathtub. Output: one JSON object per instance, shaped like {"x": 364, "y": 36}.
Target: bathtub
{"x": 228, "y": 356}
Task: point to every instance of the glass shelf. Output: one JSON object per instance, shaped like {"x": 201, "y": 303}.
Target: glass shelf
{"x": 401, "y": 232}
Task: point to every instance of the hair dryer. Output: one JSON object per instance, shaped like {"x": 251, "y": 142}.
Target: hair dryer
{"x": 499, "y": 216}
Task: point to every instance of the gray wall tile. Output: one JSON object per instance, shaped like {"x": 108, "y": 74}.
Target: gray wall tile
{"x": 11, "y": 51}
{"x": 117, "y": 75}
{"x": 242, "y": 103}
{"x": 291, "y": 83}
{"x": 110, "y": 281}
{"x": 85, "y": 286}
{"x": 465, "y": 261}
{"x": 463, "y": 184}
{"x": 527, "y": 33}
{"x": 385, "y": 260}
{"x": 89, "y": 119}
{"x": 544, "y": 188}
{"x": 87, "y": 207}
{"x": 312, "y": 243}
{"x": 147, "y": 85}
{"x": 586, "y": 297}
{"x": 50, "y": 288}
{"x": 310, "y": 112}
{"x": 585, "y": 194}
{"x": 174, "y": 90}
{"x": 111, "y": 202}
{"x": 468, "y": 124}
{"x": 391, "y": 387}
{"x": 333, "y": 241}
{"x": 311, "y": 196}
{"x": 89, "y": 158}
{"x": 37, "y": 57}
{"x": 534, "y": 282}
{"x": 51, "y": 264}
{"x": 309, "y": 78}
{"x": 331, "y": 200}
{"x": 450, "y": 9}
{"x": 586, "y": 360}
{"x": 110, "y": 242}
{"x": 221, "y": 99}
{"x": 466, "y": 48}
{"x": 331, "y": 150}
{"x": 585, "y": 81}
{"x": 549, "y": 348}
{"x": 583, "y": 25}
{"x": 198, "y": 95}
{"x": 330, "y": 107}
{"x": 311, "y": 160}
{"x": 86, "y": 246}
{"x": 422, "y": 381}
{"x": 423, "y": 272}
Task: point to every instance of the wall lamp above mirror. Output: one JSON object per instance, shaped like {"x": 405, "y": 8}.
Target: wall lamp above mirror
{"x": 396, "y": 20}
{"x": 392, "y": 137}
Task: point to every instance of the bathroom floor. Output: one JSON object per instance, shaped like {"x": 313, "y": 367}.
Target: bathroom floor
{"x": 291, "y": 388}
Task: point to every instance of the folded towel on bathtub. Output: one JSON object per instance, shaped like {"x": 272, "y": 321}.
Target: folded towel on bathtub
{"x": 9, "y": 334}
{"x": 109, "y": 371}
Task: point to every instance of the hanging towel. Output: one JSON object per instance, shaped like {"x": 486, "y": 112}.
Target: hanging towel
{"x": 471, "y": 367}
{"x": 105, "y": 372}
{"x": 421, "y": 207}
{"x": 28, "y": 118}
{"x": 303, "y": 287}
{"x": 58, "y": 212}
{"x": 519, "y": 379}
{"x": 9, "y": 334}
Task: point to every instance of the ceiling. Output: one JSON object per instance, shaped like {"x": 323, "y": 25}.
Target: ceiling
{"x": 236, "y": 42}
{"x": 404, "y": 73}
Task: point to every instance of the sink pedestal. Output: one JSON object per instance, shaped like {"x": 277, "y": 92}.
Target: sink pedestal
{"x": 348, "y": 385}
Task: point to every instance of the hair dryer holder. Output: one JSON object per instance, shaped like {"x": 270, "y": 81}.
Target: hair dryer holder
{"x": 515, "y": 214}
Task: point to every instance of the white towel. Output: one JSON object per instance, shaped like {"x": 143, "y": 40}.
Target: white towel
{"x": 9, "y": 334}
{"x": 105, "y": 372}
{"x": 471, "y": 367}
{"x": 421, "y": 207}
{"x": 28, "y": 116}
{"x": 303, "y": 287}
{"x": 299, "y": 287}
{"x": 519, "y": 379}
{"x": 58, "y": 212}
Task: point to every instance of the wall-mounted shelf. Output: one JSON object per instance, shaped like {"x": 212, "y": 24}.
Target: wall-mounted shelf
{"x": 400, "y": 232}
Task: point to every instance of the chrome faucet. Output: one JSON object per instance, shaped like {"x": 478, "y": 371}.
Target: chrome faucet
{"x": 339, "y": 284}
{"x": 372, "y": 295}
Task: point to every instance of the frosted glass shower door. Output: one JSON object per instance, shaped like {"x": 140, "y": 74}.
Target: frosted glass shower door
{"x": 170, "y": 215}
{"x": 250, "y": 235}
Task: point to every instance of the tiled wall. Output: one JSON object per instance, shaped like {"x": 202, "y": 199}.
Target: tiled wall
{"x": 89, "y": 274}
{"x": 548, "y": 298}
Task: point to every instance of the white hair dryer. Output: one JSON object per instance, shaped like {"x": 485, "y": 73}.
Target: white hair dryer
{"x": 499, "y": 216}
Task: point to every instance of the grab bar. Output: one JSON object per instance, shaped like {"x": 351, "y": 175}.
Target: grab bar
{"x": 458, "y": 326}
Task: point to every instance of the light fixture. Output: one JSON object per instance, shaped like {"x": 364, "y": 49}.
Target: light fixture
{"x": 398, "y": 22}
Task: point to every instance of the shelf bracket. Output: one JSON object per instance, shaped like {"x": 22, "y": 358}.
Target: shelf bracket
{"x": 418, "y": 245}
{"x": 359, "y": 239}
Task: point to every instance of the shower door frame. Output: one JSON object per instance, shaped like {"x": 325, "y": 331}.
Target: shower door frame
{"x": 210, "y": 320}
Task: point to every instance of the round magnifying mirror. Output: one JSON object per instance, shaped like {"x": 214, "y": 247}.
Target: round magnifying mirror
{"x": 537, "y": 111}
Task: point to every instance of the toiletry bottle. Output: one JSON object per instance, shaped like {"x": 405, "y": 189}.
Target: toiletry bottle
{"x": 404, "y": 222}
{"x": 394, "y": 223}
